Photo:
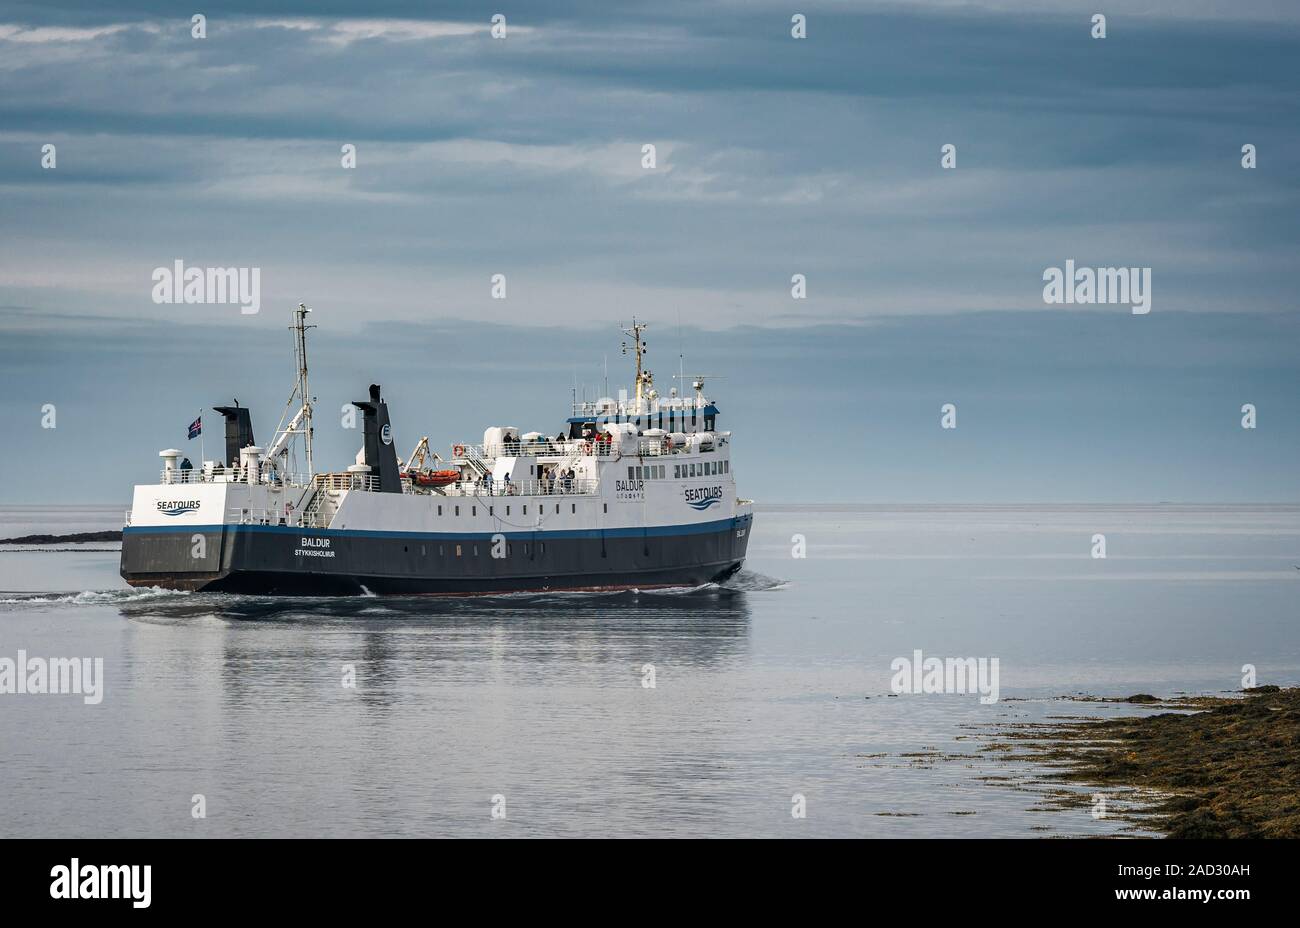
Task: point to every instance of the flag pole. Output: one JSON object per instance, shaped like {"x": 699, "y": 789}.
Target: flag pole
{"x": 200, "y": 438}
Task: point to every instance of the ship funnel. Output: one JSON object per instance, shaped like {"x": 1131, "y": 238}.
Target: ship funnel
{"x": 380, "y": 454}
{"x": 239, "y": 431}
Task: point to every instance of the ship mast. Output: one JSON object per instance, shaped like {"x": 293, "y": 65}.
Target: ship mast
{"x": 639, "y": 348}
{"x": 300, "y": 328}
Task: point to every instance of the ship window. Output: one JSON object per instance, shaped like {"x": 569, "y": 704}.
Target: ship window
{"x": 557, "y": 509}
{"x": 473, "y": 510}
{"x": 457, "y": 510}
{"x": 638, "y": 473}
{"x": 542, "y": 547}
{"x": 606, "y": 505}
{"x": 490, "y": 508}
{"x": 663, "y": 471}
{"x": 525, "y": 509}
{"x": 476, "y": 550}
{"x": 457, "y": 550}
{"x": 439, "y": 510}
{"x": 422, "y": 552}
{"x": 677, "y": 471}
{"x": 507, "y": 510}
{"x": 708, "y": 423}
{"x": 726, "y": 467}
{"x": 631, "y": 473}
{"x": 441, "y": 552}
{"x": 573, "y": 508}
{"x": 525, "y": 547}
{"x": 509, "y": 549}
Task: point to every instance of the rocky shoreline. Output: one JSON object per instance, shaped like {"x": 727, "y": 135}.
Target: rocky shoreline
{"x": 1218, "y": 767}
{"x": 73, "y": 539}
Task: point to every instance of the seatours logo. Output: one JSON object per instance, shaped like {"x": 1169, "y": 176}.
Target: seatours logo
{"x": 177, "y": 507}
{"x": 701, "y": 498}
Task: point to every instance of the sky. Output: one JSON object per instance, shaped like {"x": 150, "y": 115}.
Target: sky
{"x": 522, "y": 156}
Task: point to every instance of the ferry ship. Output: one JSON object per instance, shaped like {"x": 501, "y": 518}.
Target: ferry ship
{"x": 632, "y": 493}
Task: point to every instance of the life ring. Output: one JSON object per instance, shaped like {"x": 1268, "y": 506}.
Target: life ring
{"x": 586, "y": 447}
{"x": 458, "y": 451}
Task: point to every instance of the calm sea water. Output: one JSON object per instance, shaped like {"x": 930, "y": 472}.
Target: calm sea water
{"x": 775, "y": 685}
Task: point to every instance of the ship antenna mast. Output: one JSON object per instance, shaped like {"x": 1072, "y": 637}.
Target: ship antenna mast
{"x": 639, "y": 348}
{"x": 300, "y": 328}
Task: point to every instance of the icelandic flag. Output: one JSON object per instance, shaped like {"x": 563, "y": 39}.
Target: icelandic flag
{"x": 196, "y": 427}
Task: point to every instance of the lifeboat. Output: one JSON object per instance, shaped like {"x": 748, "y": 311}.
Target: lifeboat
{"x": 437, "y": 478}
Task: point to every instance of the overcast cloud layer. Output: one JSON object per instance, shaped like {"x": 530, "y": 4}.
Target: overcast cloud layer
{"x": 522, "y": 156}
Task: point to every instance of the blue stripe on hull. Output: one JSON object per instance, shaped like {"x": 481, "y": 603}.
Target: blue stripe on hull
{"x": 700, "y": 528}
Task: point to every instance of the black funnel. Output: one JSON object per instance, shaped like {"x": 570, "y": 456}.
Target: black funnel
{"x": 239, "y": 431}
{"x": 378, "y": 433}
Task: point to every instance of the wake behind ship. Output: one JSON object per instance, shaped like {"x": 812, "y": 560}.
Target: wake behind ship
{"x": 633, "y": 493}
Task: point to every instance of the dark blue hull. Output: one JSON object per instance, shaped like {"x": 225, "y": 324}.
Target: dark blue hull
{"x": 277, "y": 560}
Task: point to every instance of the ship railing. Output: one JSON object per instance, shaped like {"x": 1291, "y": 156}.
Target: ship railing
{"x": 232, "y": 475}
{"x": 654, "y": 447}
{"x": 544, "y": 447}
{"x": 681, "y": 405}
{"x": 267, "y": 517}
{"x": 574, "y": 486}
{"x": 346, "y": 481}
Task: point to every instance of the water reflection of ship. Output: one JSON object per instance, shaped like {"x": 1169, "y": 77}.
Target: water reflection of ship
{"x": 401, "y": 644}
